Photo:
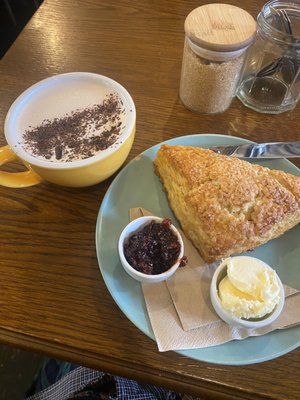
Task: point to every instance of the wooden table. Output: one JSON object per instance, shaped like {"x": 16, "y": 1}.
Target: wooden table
{"x": 52, "y": 296}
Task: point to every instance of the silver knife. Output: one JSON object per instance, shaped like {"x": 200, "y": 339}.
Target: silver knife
{"x": 261, "y": 150}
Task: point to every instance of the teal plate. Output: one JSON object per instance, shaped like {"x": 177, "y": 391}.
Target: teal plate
{"x": 136, "y": 185}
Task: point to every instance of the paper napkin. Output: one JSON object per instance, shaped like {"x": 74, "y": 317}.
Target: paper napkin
{"x": 180, "y": 309}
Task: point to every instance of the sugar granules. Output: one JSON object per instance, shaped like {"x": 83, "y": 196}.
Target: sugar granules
{"x": 208, "y": 86}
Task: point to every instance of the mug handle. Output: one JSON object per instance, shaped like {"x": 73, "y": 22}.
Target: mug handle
{"x": 16, "y": 179}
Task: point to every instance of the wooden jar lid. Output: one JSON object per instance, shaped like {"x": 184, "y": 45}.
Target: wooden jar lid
{"x": 220, "y": 27}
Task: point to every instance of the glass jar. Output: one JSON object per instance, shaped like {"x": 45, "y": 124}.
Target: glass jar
{"x": 270, "y": 80}
{"x": 209, "y": 79}
{"x": 216, "y": 37}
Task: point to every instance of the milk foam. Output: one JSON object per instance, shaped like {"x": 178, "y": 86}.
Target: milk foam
{"x": 57, "y": 101}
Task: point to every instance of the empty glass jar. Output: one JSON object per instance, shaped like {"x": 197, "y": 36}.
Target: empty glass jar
{"x": 270, "y": 80}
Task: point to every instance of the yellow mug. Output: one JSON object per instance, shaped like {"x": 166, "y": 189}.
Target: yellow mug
{"x": 57, "y": 96}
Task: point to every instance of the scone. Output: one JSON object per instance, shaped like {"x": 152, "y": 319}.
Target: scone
{"x": 226, "y": 205}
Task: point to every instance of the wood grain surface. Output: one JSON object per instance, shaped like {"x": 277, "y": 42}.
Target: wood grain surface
{"x": 220, "y": 27}
{"x": 52, "y": 296}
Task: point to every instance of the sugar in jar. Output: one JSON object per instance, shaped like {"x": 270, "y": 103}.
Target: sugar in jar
{"x": 216, "y": 38}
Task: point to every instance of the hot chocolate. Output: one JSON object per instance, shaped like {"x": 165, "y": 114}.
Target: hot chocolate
{"x": 74, "y": 129}
{"x": 78, "y": 134}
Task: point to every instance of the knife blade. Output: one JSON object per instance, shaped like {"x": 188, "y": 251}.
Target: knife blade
{"x": 261, "y": 150}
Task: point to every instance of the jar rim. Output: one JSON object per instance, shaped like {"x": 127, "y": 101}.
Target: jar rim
{"x": 278, "y": 34}
{"x": 214, "y": 55}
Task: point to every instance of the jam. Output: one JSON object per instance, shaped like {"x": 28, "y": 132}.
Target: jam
{"x": 154, "y": 249}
